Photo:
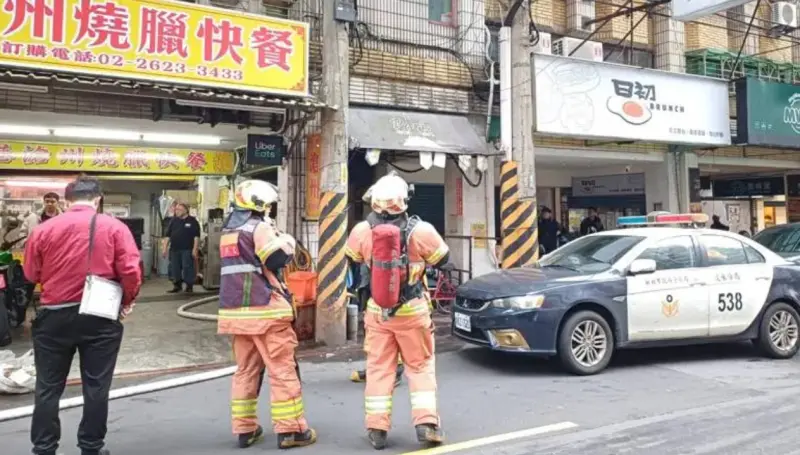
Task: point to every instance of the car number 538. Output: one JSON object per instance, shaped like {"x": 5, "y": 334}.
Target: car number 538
{"x": 462, "y": 322}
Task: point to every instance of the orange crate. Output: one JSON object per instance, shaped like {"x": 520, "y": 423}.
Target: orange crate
{"x": 303, "y": 286}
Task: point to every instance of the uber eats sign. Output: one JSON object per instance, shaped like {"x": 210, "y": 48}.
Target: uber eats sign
{"x": 768, "y": 113}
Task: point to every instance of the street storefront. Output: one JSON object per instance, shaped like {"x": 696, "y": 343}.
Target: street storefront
{"x": 421, "y": 142}
{"x": 133, "y": 179}
{"x": 769, "y": 116}
{"x": 608, "y": 107}
{"x": 747, "y": 204}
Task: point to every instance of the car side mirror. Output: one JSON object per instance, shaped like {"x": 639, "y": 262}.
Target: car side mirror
{"x": 642, "y": 266}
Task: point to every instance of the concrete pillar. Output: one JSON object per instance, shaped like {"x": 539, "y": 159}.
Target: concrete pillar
{"x": 669, "y": 41}
{"x": 667, "y": 183}
{"x": 470, "y": 212}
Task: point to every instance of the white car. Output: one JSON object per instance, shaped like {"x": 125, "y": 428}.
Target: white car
{"x": 633, "y": 288}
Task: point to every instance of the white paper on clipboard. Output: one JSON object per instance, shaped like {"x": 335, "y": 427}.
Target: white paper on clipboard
{"x": 101, "y": 298}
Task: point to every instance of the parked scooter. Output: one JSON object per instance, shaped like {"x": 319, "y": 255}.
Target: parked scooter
{"x": 14, "y": 297}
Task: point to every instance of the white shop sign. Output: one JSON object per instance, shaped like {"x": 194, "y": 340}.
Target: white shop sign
{"x": 580, "y": 98}
{"x": 608, "y": 185}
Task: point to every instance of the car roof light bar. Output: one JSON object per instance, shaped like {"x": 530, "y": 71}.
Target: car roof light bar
{"x": 663, "y": 218}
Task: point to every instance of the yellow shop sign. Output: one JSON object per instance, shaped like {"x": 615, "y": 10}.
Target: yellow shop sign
{"x": 117, "y": 159}
{"x": 157, "y": 40}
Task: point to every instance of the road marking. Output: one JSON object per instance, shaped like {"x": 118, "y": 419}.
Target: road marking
{"x": 475, "y": 443}
{"x": 125, "y": 392}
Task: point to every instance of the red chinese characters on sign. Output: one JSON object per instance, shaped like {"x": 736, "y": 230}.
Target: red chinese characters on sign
{"x": 167, "y": 160}
{"x": 6, "y": 154}
{"x": 196, "y": 161}
{"x": 163, "y": 32}
{"x": 105, "y": 157}
{"x": 35, "y": 155}
{"x": 273, "y": 47}
{"x": 46, "y": 18}
{"x": 220, "y": 40}
{"x": 135, "y": 159}
{"x": 71, "y": 156}
{"x": 104, "y": 24}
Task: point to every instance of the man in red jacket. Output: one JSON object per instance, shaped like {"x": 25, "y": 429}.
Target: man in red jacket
{"x": 56, "y": 256}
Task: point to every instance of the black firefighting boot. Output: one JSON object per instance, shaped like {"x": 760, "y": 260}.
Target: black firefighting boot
{"x": 429, "y": 434}
{"x": 248, "y": 439}
{"x": 292, "y": 440}
{"x": 377, "y": 438}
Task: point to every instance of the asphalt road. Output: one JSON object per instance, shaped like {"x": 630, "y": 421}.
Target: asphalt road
{"x": 696, "y": 400}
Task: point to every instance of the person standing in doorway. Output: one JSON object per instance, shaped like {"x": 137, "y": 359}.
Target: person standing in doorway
{"x": 51, "y": 210}
{"x": 548, "y": 231}
{"x": 591, "y": 223}
{"x": 182, "y": 241}
{"x": 718, "y": 225}
{"x": 56, "y": 256}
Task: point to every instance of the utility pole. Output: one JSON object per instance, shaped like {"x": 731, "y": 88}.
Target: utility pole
{"x": 520, "y": 237}
{"x": 331, "y": 263}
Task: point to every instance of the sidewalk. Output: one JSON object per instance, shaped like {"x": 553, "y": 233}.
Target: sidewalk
{"x": 157, "y": 341}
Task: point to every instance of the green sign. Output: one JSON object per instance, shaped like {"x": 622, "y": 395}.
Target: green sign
{"x": 768, "y": 113}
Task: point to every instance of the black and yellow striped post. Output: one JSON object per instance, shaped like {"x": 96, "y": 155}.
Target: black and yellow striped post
{"x": 332, "y": 270}
{"x": 520, "y": 236}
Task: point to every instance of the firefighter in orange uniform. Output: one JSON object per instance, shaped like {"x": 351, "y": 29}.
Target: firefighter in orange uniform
{"x": 403, "y": 327}
{"x": 361, "y": 291}
{"x": 256, "y": 309}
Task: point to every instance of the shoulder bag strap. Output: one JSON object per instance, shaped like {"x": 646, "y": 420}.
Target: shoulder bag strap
{"x": 92, "y": 227}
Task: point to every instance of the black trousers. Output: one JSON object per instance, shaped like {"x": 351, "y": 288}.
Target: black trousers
{"x": 57, "y": 335}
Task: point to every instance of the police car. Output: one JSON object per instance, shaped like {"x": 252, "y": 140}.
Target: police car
{"x": 655, "y": 285}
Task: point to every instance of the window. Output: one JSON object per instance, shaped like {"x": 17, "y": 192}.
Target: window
{"x": 626, "y": 56}
{"x": 672, "y": 253}
{"x": 723, "y": 250}
{"x": 753, "y": 256}
{"x": 440, "y": 10}
{"x": 783, "y": 239}
{"x": 591, "y": 254}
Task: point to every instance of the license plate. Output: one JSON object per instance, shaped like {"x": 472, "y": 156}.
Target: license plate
{"x": 462, "y": 322}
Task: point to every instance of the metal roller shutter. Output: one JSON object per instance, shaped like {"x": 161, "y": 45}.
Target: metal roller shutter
{"x": 428, "y": 204}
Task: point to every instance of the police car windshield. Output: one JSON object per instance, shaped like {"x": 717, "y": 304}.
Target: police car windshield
{"x": 781, "y": 240}
{"x": 592, "y": 254}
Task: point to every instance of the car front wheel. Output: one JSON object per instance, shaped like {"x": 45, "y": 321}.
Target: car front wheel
{"x": 779, "y": 333}
{"x": 585, "y": 343}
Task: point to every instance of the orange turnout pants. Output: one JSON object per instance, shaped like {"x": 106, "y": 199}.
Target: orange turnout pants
{"x": 275, "y": 349}
{"x": 410, "y": 334}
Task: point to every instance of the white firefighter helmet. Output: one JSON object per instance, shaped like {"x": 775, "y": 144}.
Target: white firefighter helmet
{"x": 389, "y": 194}
{"x": 256, "y": 195}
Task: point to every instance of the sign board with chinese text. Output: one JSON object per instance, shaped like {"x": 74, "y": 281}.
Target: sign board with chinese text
{"x": 313, "y": 176}
{"x": 157, "y": 40}
{"x": 580, "y": 98}
{"x": 264, "y": 150}
{"x": 117, "y": 159}
{"x": 764, "y": 186}
{"x": 768, "y": 113}
{"x": 689, "y": 10}
{"x": 478, "y": 233}
{"x": 608, "y": 185}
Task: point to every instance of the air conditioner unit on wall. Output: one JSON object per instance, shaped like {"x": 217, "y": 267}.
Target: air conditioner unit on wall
{"x": 590, "y": 50}
{"x": 784, "y": 14}
{"x": 544, "y": 45}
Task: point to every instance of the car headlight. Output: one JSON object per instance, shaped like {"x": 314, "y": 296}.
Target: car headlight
{"x": 525, "y": 302}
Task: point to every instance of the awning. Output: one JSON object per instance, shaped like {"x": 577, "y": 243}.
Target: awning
{"x": 155, "y": 89}
{"x": 385, "y": 129}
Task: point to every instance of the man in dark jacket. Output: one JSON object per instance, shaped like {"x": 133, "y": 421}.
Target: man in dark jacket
{"x": 717, "y": 224}
{"x": 591, "y": 223}
{"x": 548, "y": 230}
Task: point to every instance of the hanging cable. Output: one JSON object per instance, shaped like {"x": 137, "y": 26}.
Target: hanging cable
{"x": 464, "y": 174}
{"x": 407, "y": 171}
{"x": 744, "y": 39}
